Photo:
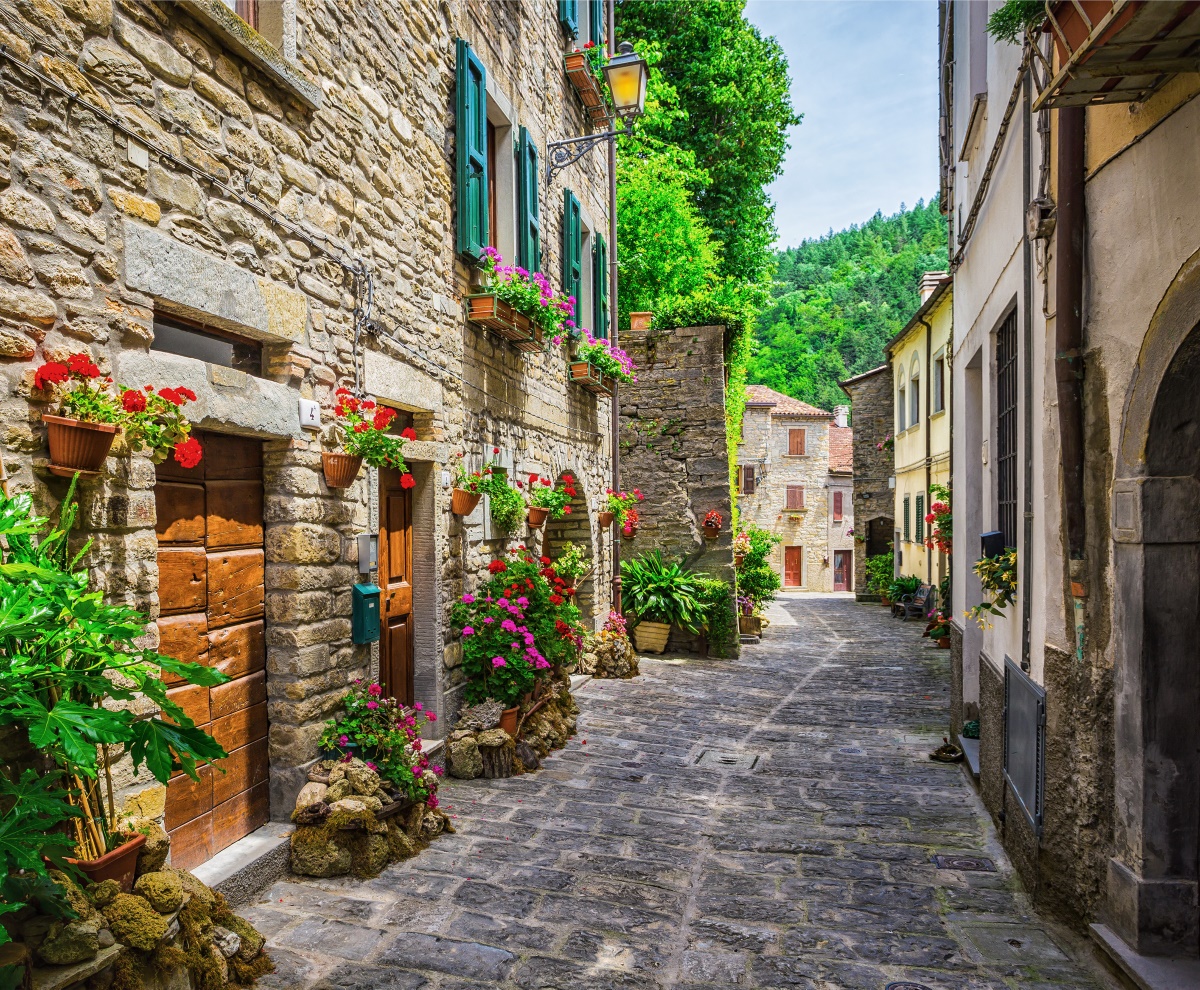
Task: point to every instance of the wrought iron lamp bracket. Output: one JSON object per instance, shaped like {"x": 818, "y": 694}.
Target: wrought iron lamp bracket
{"x": 560, "y": 154}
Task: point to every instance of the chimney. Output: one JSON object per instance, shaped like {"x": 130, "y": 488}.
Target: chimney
{"x": 841, "y": 415}
{"x": 930, "y": 281}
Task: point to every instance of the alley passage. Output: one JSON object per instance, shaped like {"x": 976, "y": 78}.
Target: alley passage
{"x": 761, "y": 823}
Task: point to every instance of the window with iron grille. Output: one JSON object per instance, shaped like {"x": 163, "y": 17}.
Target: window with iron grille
{"x": 1006, "y": 429}
{"x": 795, "y": 497}
{"x": 920, "y": 519}
{"x": 907, "y": 520}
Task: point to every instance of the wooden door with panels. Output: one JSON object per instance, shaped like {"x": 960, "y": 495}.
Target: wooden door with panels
{"x": 211, "y": 601}
{"x": 793, "y": 563}
{"x": 395, "y": 584}
{"x": 841, "y": 570}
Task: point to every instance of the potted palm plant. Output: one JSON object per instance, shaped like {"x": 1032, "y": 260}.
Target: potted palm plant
{"x": 660, "y": 594}
{"x": 361, "y": 428}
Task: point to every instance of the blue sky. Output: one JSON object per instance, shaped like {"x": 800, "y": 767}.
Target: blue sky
{"x": 864, "y": 75}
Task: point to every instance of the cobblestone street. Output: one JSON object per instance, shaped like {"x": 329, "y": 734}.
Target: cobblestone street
{"x": 763, "y": 823}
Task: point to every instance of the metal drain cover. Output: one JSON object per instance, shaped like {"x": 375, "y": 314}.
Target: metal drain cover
{"x": 721, "y": 760}
{"x": 974, "y": 864}
{"x": 906, "y": 986}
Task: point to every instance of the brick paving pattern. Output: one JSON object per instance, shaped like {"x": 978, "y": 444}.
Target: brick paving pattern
{"x": 768, "y": 822}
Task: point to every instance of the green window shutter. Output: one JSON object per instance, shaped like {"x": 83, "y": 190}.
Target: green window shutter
{"x": 596, "y": 9}
{"x": 572, "y": 248}
{"x": 920, "y": 518}
{"x": 529, "y": 235}
{"x": 600, "y": 287}
{"x": 907, "y": 518}
{"x": 568, "y": 16}
{"x": 471, "y": 156}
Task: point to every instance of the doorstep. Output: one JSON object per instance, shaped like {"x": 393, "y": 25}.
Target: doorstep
{"x": 1147, "y": 972}
{"x": 970, "y": 748}
{"x": 578, "y": 681}
{"x": 251, "y": 864}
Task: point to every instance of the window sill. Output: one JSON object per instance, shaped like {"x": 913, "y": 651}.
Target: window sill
{"x": 938, "y": 414}
{"x": 253, "y": 47}
{"x": 793, "y": 457}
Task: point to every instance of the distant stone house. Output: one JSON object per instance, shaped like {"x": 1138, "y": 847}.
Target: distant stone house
{"x": 795, "y": 479}
{"x": 264, "y": 208}
{"x": 871, "y": 396}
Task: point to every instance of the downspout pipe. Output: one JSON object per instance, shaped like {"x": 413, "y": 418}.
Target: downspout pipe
{"x": 612, "y": 317}
{"x": 928, "y": 442}
{"x": 1026, "y": 555}
{"x": 1068, "y": 324}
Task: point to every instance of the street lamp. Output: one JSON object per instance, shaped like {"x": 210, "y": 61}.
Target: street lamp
{"x": 626, "y": 74}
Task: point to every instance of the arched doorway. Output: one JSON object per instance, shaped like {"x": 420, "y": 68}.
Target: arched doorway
{"x": 1154, "y": 872}
{"x": 575, "y": 527}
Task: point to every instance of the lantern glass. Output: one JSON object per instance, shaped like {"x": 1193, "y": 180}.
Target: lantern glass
{"x": 626, "y": 75}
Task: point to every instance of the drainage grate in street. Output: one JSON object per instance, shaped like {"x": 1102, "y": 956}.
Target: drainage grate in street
{"x": 906, "y": 986}
{"x": 973, "y": 864}
{"x": 721, "y": 760}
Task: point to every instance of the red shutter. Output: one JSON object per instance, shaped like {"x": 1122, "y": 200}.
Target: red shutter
{"x": 837, "y": 506}
{"x": 247, "y": 10}
{"x": 796, "y": 443}
{"x": 795, "y": 496}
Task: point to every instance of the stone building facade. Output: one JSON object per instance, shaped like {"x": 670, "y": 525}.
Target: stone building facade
{"x": 795, "y": 479}
{"x": 872, "y": 402}
{"x": 674, "y": 447}
{"x": 1076, "y": 258}
{"x": 263, "y": 217}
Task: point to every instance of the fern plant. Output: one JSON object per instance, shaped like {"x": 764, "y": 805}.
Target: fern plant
{"x": 657, "y": 591}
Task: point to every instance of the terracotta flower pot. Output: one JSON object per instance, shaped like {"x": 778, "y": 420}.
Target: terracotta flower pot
{"x": 463, "y": 502}
{"x": 537, "y": 516}
{"x": 711, "y": 532}
{"x": 640, "y": 321}
{"x": 119, "y": 865}
{"x": 605, "y": 519}
{"x": 632, "y": 532}
{"x": 750, "y": 625}
{"x": 738, "y": 558}
{"x": 76, "y": 444}
{"x": 943, "y": 642}
{"x": 508, "y": 720}
{"x": 651, "y": 637}
{"x": 340, "y": 469}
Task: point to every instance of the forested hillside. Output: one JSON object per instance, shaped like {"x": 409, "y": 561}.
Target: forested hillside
{"x": 838, "y": 299}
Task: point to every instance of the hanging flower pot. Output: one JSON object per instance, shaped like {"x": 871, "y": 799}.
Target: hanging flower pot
{"x": 628, "y": 532}
{"x": 537, "y": 516}
{"x": 463, "y": 502}
{"x": 711, "y": 532}
{"x": 77, "y": 445}
{"x": 738, "y": 558}
{"x": 340, "y": 469}
{"x": 605, "y": 519}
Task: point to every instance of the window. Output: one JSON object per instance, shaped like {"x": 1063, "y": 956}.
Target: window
{"x": 471, "y": 160}
{"x": 599, "y": 286}
{"x": 907, "y": 520}
{"x": 1006, "y": 429}
{"x": 568, "y": 16}
{"x": 901, "y": 412}
{"x": 529, "y": 223}
{"x": 914, "y": 395}
{"x": 796, "y": 440}
{"x": 173, "y": 335}
{"x": 939, "y": 384}
{"x": 572, "y": 245}
{"x": 920, "y": 520}
{"x": 746, "y": 479}
{"x": 837, "y": 506}
{"x": 795, "y": 497}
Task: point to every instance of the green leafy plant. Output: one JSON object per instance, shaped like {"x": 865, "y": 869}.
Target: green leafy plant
{"x": 475, "y": 482}
{"x": 620, "y": 504}
{"x": 720, "y": 620}
{"x": 366, "y": 721}
{"x": 757, "y": 580}
{"x": 1013, "y": 18}
{"x": 363, "y": 428}
{"x": 879, "y": 573}
{"x": 65, "y": 652}
{"x": 572, "y": 562}
{"x": 154, "y": 421}
{"x": 556, "y": 498}
{"x": 507, "y": 503}
{"x": 529, "y": 293}
{"x": 657, "y": 591}
{"x": 612, "y": 362}
{"x": 905, "y": 584}
{"x": 998, "y": 575}
{"x": 939, "y": 519}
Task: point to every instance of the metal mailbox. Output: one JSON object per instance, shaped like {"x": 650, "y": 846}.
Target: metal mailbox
{"x": 364, "y": 616}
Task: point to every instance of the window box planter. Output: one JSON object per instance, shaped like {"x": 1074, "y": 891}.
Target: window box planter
{"x": 590, "y": 91}
{"x": 76, "y": 445}
{"x": 586, "y": 375}
{"x": 486, "y": 309}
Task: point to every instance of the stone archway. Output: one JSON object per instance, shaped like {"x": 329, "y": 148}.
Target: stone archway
{"x": 1154, "y": 872}
{"x": 575, "y": 527}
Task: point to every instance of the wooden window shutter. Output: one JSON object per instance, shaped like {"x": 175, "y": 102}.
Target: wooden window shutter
{"x": 572, "y": 247}
{"x": 795, "y": 497}
{"x": 748, "y": 479}
{"x": 247, "y": 10}
{"x": 907, "y": 520}
{"x": 920, "y": 518}
{"x": 796, "y": 442}
{"x": 600, "y": 287}
{"x": 471, "y": 158}
{"x": 596, "y": 9}
{"x": 837, "y": 506}
{"x": 529, "y": 238}
{"x": 568, "y": 16}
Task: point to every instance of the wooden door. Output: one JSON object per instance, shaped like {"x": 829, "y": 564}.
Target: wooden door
{"x": 841, "y": 570}
{"x": 211, "y": 594}
{"x": 793, "y": 558}
{"x": 395, "y": 581}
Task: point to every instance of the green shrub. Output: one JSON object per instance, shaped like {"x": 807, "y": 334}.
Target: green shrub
{"x": 657, "y": 591}
{"x": 879, "y": 573}
{"x": 906, "y": 584}
{"x": 507, "y": 503}
{"x": 716, "y": 597}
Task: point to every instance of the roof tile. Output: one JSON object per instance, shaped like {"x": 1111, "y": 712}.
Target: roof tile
{"x": 760, "y": 395}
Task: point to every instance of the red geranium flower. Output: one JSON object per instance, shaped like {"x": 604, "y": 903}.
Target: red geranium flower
{"x": 81, "y": 364}
{"x": 410, "y": 434}
{"x": 189, "y": 452}
{"x": 50, "y": 372}
{"x": 497, "y": 567}
{"x": 556, "y": 599}
{"x": 545, "y": 561}
{"x": 566, "y": 510}
{"x": 133, "y": 402}
{"x": 361, "y": 427}
{"x": 407, "y": 480}
{"x": 171, "y": 396}
{"x": 187, "y": 393}
{"x": 383, "y": 417}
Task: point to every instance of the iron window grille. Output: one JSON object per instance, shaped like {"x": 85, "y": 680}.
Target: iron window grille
{"x": 1006, "y": 429}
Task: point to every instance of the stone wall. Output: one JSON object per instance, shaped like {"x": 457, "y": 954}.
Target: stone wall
{"x": 245, "y": 190}
{"x": 674, "y": 446}
{"x": 873, "y": 419}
